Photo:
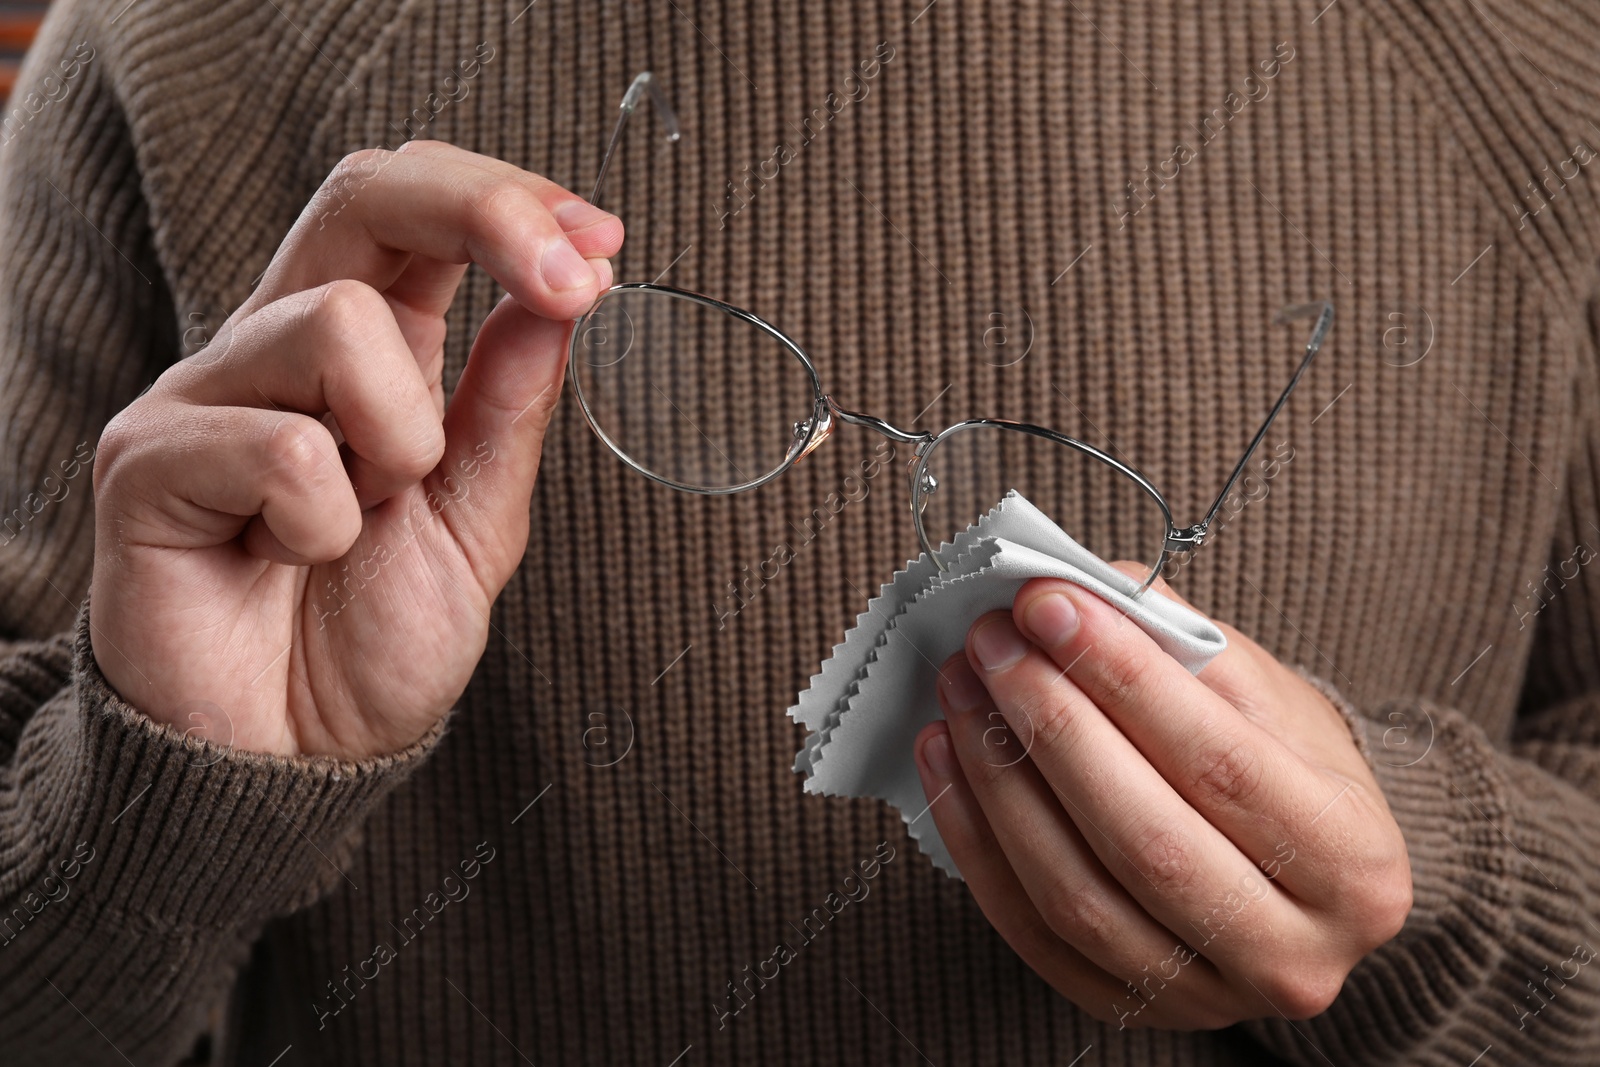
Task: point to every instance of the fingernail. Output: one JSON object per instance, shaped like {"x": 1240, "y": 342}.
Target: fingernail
{"x": 564, "y": 269}
{"x": 941, "y": 756}
{"x": 961, "y": 689}
{"x": 998, "y": 644}
{"x": 576, "y": 214}
{"x": 1053, "y": 619}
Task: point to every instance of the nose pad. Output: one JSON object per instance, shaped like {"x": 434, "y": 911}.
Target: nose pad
{"x": 928, "y": 483}
{"x": 807, "y": 428}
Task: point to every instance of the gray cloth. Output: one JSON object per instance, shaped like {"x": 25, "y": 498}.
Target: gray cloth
{"x": 876, "y": 692}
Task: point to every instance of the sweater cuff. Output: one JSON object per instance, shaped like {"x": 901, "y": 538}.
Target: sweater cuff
{"x": 186, "y": 833}
{"x": 1353, "y": 719}
{"x": 1448, "y": 793}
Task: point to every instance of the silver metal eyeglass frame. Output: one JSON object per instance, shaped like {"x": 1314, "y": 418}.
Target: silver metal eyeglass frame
{"x": 827, "y": 413}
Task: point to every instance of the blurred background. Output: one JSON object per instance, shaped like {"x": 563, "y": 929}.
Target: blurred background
{"x": 18, "y": 23}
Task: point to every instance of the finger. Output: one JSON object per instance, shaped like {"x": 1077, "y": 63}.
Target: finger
{"x": 590, "y": 229}
{"x": 1176, "y": 864}
{"x": 1231, "y": 673}
{"x": 334, "y": 349}
{"x": 378, "y": 210}
{"x": 586, "y": 226}
{"x": 1070, "y": 888}
{"x": 187, "y": 476}
{"x": 969, "y": 836}
{"x": 1237, "y": 775}
{"x": 494, "y": 430}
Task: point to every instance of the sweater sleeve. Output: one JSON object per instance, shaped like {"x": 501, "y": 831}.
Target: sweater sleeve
{"x": 1501, "y": 951}
{"x": 137, "y": 865}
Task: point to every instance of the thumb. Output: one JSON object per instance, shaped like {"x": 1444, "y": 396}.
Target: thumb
{"x": 494, "y": 435}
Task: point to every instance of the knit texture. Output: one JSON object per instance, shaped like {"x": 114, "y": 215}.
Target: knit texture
{"x": 1020, "y": 159}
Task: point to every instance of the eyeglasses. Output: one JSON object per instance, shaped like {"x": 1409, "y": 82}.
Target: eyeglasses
{"x": 708, "y": 398}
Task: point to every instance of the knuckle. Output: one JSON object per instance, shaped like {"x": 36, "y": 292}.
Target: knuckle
{"x": 352, "y": 171}
{"x": 1375, "y": 892}
{"x": 986, "y": 772}
{"x": 1302, "y": 993}
{"x": 1166, "y": 857}
{"x": 996, "y": 748}
{"x": 1393, "y": 909}
{"x": 1227, "y": 775}
{"x": 1030, "y": 934}
{"x": 119, "y": 436}
{"x": 504, "y": 201}
{"x": 1052, "y": 725}
{"x": 1116, "y": 674}
{"x": 413, "y": 440}
{"x": 121, "y": 439}
{"x": 293, "y": 454}
{"x": 423, "y": 451}
{"x": 343, "y": 309}
{"x": 1078, "y": 914}
{"x": 345, "y": 181}
{"x": 1381, "y": 904}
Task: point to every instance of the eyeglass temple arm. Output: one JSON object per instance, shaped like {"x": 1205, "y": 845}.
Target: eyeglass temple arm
{"x": 642, "y": 84}
{"x": 1194, "y": 536}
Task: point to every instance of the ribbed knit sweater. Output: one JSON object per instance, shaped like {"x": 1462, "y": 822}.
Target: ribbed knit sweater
{"x": 582, "y": 863}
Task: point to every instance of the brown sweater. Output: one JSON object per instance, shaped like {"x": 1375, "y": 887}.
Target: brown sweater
{"x": 581, "y": 866}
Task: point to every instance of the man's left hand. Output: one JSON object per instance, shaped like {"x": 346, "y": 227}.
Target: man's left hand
{"x": 1165, "y": 849}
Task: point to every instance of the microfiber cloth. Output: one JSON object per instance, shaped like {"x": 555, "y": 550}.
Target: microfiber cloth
{"x": 876, "y": 691}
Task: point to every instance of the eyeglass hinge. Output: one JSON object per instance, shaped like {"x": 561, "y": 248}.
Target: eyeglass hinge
{"x": 1187, "y": 539}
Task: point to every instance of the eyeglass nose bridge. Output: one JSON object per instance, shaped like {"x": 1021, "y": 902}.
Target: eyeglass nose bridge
{"x": 828, "y": 414}
{"x": 872, "y": 422}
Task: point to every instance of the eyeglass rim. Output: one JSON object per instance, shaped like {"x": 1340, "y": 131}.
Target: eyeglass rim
{"x": 1188, "y": 538}
{"x": 926, "y": 451}
{"x": 823, "y": 409}
{"x": 820, "y": 417}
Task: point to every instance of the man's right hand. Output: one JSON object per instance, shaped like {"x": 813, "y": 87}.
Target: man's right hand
{"x": 296, "y": 544}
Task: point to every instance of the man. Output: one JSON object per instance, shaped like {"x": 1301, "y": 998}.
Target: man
{"x": 325, "y": 713}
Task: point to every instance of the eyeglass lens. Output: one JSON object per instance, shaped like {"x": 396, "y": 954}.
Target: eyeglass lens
{"x": 689, "y": 392}
{"x": 974, "y": 465}
{"x": 706, "y": 400}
